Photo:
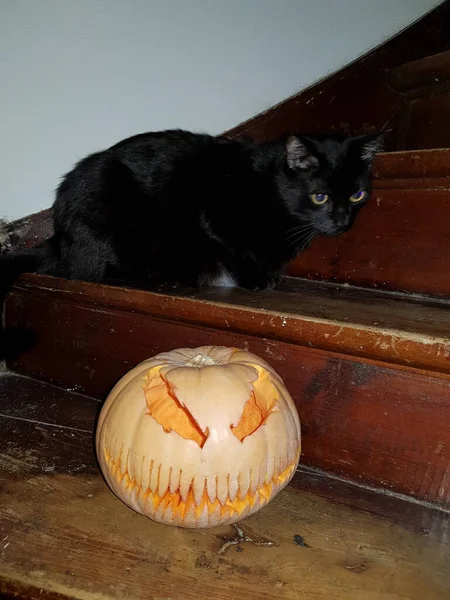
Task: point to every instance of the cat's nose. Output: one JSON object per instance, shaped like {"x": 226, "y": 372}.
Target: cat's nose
{"x": 341, "y": 219}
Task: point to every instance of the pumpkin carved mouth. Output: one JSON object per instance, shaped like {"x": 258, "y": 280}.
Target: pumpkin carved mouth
{"x": 180, "y": 504}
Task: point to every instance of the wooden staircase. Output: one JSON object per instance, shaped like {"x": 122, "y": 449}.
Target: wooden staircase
{"x": 424, "y": 116}
{"x": 360, "y": 330}
{"x": 368, "y": 370}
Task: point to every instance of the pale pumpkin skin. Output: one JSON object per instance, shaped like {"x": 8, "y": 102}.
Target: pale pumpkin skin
{"x": 198, "y": 437}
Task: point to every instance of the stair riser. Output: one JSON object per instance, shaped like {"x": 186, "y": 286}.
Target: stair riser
{"x": 425, "y": 86}
{"x": 389, "y": 427}
{"x": 400, "y": 241}
{"x": 423, "y": 122}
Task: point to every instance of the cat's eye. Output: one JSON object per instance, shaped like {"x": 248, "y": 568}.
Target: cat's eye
{"x": 358, "y": 196}
{"x": 319, "y": 198}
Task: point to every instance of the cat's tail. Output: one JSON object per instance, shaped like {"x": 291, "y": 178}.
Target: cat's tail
{"x": 12, "y": 265}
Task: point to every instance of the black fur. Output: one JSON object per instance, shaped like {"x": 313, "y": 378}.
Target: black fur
{"x": 184, "y": 208}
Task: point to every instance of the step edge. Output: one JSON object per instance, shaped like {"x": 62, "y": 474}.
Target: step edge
{"x": 423, "y": 165}
{"x": 406, "y": 77}
{"x": 377, "y": 343}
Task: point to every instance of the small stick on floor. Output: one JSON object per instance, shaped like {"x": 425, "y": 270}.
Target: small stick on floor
{"x": 240, "y": 538}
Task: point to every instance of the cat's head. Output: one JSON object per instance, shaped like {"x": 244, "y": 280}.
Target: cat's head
{"x": 325, "y": 180}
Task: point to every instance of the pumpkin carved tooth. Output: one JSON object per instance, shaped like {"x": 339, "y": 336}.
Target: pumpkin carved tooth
{"x": 164, "y": 479}
{"x": 244, "y": 483}
{"x": 185, "y": 486}
{"x": 268, "y": 475}
{"x": 199, "y": 491}
{"x": 175, "y": 475}
{"x": 211, "y": 488}
{"x": 254, "y": 477}
{"x": 222, "y": 489}
{"x": 154, "y": 478}
{"x": 199, "y": 437}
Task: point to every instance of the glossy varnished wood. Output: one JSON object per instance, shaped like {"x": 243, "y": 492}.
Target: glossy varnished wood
{"x": 64, "y": 535}
{"x": 409, "y": 169}
{"x": 427, "y": 72}
{"x": 425, "y": 85}
{"x": 427, "y": 122}
{"x": 412, "y": 331}
{"x": 379, "y": 423}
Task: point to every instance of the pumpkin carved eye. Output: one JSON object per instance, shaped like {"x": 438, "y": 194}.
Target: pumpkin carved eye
{"x": 258, "y": 407}
{"x": 167, "y": 410}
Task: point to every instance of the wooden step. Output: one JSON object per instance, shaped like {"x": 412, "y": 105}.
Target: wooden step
{"x": 401, "y": 240}
{"x": 424, "y": 120}
{"x": 429, "y": 72}
{"x": 369, "y": 371}
{"x": 63, "y": 534}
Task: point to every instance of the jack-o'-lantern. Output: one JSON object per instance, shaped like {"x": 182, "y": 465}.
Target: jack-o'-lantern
{"x": 198, "y": 437}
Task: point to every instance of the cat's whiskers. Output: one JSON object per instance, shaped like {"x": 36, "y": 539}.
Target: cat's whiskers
{"x": 298, "y": 239}
{"x": 299, "y": 230}
{"x": 303, "y": 243}
{"x": 298, "y": 225}
{"x": 302, "y": 225}
{"x": 303, "y": 238}
{"x": 310, "y": 239}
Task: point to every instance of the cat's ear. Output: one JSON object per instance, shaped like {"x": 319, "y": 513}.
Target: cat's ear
{"x": 371, "y": 145}
{"x": 298, "y": 155}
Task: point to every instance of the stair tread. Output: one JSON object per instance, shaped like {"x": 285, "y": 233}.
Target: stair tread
{"x": 409, "y": 168}
{"x": 428, "y": 71}
{"x": 406, "y": 329}
{"x": 64, "y": 534}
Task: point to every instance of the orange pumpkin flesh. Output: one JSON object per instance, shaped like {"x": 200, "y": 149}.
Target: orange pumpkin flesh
{"x": 199, "y": 437}
{"x": 258, "y": 407}
{"x": 165, "y": 408}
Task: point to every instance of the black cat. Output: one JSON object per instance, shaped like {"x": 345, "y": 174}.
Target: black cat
{"x": 178, "y": 207}
{"x": 184, "y": 208}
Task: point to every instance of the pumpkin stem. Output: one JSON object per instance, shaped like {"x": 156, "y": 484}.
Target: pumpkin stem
{"x": 200, "y": 360}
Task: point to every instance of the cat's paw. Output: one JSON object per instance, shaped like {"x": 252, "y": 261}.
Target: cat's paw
{"x": 271, "y": 281}
{"x": 262, "y": 281}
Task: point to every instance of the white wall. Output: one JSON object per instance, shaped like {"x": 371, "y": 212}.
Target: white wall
{"x": 78, "y": 75}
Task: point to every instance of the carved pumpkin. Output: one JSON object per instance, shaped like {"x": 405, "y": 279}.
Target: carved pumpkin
{"x": 198, "y": 437}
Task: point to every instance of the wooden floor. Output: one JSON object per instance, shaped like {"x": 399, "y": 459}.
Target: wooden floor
{"x": 64, "y": 535}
